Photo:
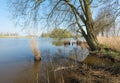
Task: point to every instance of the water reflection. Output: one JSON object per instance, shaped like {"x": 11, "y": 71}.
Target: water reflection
{"x": 36, "y": 70}
{"x": 66, "y": 42}
{"x": 58, "y": 42}
{"x": 17, "y": 63}
{"x": 44, "y": 71}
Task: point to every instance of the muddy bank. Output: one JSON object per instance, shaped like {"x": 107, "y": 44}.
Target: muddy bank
{"x": 110, "y": 55}
{"x": 87, "y": 72}
{"x": 91, "y": 74}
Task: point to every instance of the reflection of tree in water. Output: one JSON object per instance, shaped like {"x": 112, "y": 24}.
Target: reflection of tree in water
{"x": 29, "y": 73}
{"x": 44, "y": 71}
{"x": 79, "y": 53}
{"x": 57, "y": 42}
{"x": 36, "y": 70}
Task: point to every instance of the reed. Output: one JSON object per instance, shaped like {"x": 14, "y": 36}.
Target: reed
{"x": 112, "y": 42}
{"x": 35, "y": 49}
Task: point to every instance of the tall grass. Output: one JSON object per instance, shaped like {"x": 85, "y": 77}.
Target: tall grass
{"x": 112, "y": 42}
{"x": 35, "y": 49}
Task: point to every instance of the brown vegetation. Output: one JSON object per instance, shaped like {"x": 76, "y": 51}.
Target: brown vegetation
{"x": 112, "y": 42}
{"x": 35, "y": 50}
{"x": 90, "y": 74}
{"x": 78, "y": 42}
{"x": 66, "y": 42}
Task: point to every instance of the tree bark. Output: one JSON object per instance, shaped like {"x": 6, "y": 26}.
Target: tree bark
{"x": 92, "y": 41}
{"x": 87, "y": 19}
{"x": 91, "y": 38}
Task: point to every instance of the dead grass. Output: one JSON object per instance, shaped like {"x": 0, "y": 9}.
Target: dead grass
{"x": 112, "y": 42}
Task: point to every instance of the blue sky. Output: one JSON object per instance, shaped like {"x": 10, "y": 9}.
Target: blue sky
{"x": 6, "y": 21}
{"x": 7, "y": 24}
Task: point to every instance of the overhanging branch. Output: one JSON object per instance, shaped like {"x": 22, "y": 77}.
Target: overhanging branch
{"x": 75, "y": 10}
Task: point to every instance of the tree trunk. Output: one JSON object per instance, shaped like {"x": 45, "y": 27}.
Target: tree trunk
{"x": 90, "y": 37}
{"x": 87, "y": 19}
{"x": 91, "y": 40}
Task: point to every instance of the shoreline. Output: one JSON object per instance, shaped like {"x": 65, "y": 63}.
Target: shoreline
{"x": 15, "y": 37}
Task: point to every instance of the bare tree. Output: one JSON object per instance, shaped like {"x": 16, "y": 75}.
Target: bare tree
{"x": 70, "y": 13}
{"x": 104, "y": 21}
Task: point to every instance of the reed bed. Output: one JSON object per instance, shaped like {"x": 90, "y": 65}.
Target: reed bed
{"x": 112, "y": 42}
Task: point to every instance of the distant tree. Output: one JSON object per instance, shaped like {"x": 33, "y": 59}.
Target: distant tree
{"x": 60, "y": 33}
{"x": 45, "y": 35}
{"x": 104, "y": 21}
{"x": 1, "y": 34}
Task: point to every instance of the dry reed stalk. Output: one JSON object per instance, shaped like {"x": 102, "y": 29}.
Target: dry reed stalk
{"x": 35, "y": 49}
{"x": 112, "y": 42}
{"x": 48, "y": 80}
{"x": 63, "y": 68}
{"x": 63, "y": 81}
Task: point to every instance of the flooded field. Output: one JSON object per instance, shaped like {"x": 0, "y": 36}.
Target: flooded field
{"x": 17, "y": 60}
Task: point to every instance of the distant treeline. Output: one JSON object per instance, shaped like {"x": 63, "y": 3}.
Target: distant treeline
{"x": 58, "y": 33}
{"x": 8, "y": 34}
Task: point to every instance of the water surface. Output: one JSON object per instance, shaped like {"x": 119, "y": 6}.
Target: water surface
{"x": 17, "y": 60}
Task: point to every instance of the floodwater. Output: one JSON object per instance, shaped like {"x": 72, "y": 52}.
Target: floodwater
{"x": 17, "y": 60}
